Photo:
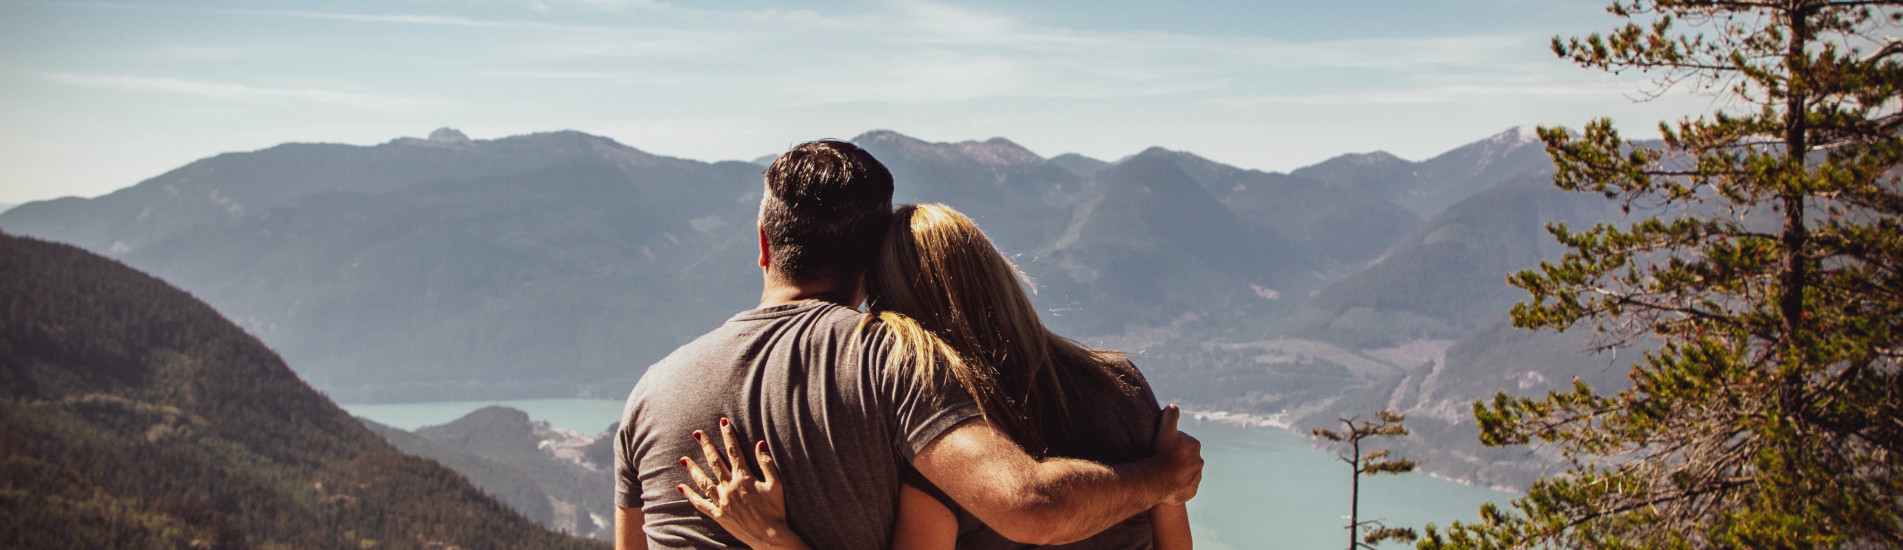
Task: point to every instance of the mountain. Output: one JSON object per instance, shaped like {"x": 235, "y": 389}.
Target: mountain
{"x": 551, "y": 475}
{"x": 1422, "y": 330}
{"x": 1019, "y": 198}
{"x": 1436, "y": 308}
{"x": 547, "y": 277}
{"x": 561, "y": 264}
{"x": 233, "y": 186}
{"x": 500, "y": 481}
{"x": 134, "y": 416}
{"x": 1347, "y": 226}
{"x": 1438, "y": 398}
{"x": 1379, "y": 173}
{"x": 1079, "y": 164}
{"x": 1153, "y": 245}
{"x": 1449, "y": 277}
{"x": 1429, "y": 186}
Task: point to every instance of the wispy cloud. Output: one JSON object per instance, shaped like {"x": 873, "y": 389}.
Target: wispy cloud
{"x": 203, "y": 53}
{"x": 598, "y": 5}
{"x": 1444, "y": 94}
{"x": 443, "y": 20}
{"x": 926, "y": 52}
{"x": 436, "y": 20}
{"x": 550, "y": 75}
{"x": 241, "y": 92}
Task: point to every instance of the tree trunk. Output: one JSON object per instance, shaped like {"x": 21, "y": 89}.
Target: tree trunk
{"x": 1354, "y": 493}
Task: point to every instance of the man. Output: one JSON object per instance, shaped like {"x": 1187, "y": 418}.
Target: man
{"x": 800, "y": 373}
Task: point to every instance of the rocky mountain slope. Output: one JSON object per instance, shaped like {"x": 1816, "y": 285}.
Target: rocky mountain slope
{"x": 559, "y": 478}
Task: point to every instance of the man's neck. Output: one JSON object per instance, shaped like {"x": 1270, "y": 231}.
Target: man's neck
{"x": 780, "y": 292}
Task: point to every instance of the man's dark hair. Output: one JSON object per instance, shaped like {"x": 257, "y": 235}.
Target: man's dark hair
{"x": 826, "y": 207}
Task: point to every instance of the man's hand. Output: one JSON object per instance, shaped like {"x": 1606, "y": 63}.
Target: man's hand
{"x": 1181, "y": 454}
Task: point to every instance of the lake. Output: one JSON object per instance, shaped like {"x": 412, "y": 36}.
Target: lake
{"x": 1262, "y": 487}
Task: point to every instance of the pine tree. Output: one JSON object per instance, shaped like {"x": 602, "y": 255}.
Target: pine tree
{"x": 1385, "y": 424}
{"x": 1770, "y": 272}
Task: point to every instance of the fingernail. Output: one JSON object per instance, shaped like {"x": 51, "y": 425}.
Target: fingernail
{"x": 763, "y": 446}
{"x": 683, "y": 461}
{"x": 697, "y": 434}
{"x": 723, "y": 422}
{"x": 681, "y": 488}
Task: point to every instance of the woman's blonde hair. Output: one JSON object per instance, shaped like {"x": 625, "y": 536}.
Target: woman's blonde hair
{"x": 953, "y": 305}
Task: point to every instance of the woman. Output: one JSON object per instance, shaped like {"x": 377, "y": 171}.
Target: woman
{"x": 953, "y": 305}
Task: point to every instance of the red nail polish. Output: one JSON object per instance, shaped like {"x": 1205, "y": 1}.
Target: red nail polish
{"x": 723, "y": 422}
{"x": 697, "y": 434}
{"x": 683, "y": 461}
{"x": 763, "y": 446}
{"x": 681, "y": 488}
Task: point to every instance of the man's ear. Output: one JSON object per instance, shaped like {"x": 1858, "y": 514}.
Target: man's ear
{"x": 766, "y": 256}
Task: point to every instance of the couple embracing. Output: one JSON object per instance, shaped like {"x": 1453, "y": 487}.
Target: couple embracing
{"x": 946, "y": 416}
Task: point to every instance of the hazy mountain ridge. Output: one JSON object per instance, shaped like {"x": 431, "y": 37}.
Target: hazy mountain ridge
{"x": 1152, "y": 245}
{"x": 136, "y": 417}
{"x": 1339, "y": 222}
{"x": 1018, "y": 197}
{"x": 477, "y": 286}
{"x": 1079, "y": 164}
{"x": 1432, "y": 185}
{"x": 1449, "y": 277}
{"x": 1289, "y": 295}
{"x": 231, "y": 186}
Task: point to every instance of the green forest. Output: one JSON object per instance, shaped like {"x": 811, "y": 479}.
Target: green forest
{"x": 133, "y": 415}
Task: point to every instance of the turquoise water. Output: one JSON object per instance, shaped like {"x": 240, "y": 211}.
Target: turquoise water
{"x": 1267, "y": 488}
{"x": 1262, "y": 487}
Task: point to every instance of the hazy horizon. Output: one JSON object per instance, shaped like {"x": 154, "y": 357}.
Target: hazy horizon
{"x": 101, "y": 95}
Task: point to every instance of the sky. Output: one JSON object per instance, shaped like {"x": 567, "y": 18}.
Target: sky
{"x": 99, "y": 95}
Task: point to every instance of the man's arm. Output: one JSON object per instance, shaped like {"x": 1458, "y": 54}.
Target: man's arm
{"x": 628, "y": 534}
{"x": 1057, "y": 500}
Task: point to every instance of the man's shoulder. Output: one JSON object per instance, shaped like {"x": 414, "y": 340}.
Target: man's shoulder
{"x": 759, "y": 331}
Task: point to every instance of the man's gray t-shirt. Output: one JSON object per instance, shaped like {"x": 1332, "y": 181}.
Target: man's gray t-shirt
{"x": 806, "y": 378}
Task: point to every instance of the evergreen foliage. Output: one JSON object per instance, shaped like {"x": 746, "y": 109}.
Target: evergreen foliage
{"x": 134, "y": 416}
{"x": 1772, "y": 271}
{"x": 1385, "y": 424}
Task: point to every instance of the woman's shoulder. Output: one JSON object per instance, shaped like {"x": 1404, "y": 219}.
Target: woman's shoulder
{"x": 1106, "y": 418}
{"x": 1113, "y": 380}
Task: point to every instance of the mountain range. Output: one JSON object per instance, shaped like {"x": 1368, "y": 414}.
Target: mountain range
{"x": 561, "y": 264}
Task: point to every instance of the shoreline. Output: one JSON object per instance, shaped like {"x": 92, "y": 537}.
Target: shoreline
{"x": 1244, "y": 420}
{"x": 1281, "y": 421}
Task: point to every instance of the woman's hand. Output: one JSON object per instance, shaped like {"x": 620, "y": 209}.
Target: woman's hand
{"x": 752, "y": 510}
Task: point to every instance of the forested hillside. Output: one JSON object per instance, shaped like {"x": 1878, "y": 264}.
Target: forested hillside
{"x": 134, "y": 416}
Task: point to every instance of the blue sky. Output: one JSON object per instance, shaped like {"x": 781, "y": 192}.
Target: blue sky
{"x": 96, "y": 96}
